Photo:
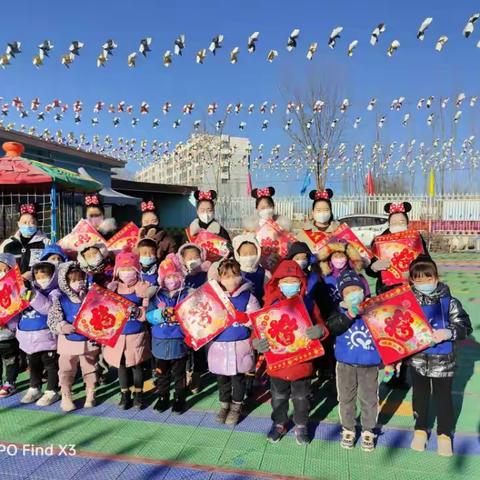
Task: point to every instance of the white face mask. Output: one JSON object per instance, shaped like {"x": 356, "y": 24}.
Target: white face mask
{"x": 44, "y": 283}
{"x": 2, "y": 274}
{"x": 95, "y": 261}
{"x": 322, "y": 217}
{"x": 397, "y": 228}
{"x": 266, "y": 213}
{"x": 248, "y": 263}
{"x": 193, "y": 264}
{"x": 78, "y": 285}
{"x": 303, "y": 264}
{"x": 205, "y": 217}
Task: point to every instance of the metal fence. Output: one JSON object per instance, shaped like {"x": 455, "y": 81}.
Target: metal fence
{"x": 434, "y": 212}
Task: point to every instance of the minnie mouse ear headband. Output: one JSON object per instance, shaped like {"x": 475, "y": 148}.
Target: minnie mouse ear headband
{"x": 402, "y": 207}
{"x": 147, "y": 207}
{"x": 28, "y": 208}
{"x": 209, "y": 195}
{"x": 92, "y": 200}
{"x": 326, "y": 194}
{"x": 266, "y": 192}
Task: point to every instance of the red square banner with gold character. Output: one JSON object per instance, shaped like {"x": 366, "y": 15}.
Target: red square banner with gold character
{"x": 11, "y": 301}
{"x": 81, "y": 234}
{"x": 344, "y": 232}
{"x": 127, "y": 237}
{"x": 274, "y": 242}
{"x": 397, "y": 324}
{"x": 284, "y": 325}
{"x": 103, "y": 315}
{"x": 215, "y": 246}
{"x": 401, "y": 249}
{"x": 204, "y": 314}
{"x": 311, "y": 238}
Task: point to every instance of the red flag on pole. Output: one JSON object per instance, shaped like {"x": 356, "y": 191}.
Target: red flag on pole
{"x": 369, "y": 184}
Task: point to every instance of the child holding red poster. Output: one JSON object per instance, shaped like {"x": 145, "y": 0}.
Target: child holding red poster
{"x": 73, "y": 348}
{"x": 287, "y": 281}
{"x": 432, "y": 370}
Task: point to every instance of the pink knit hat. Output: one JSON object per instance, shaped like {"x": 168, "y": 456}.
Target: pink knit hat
{"x": 169, "y": 266}
{"x": 126, "y": 258}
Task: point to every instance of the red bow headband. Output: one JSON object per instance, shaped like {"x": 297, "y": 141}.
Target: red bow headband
{"x": 92, "y": 200}
{"x": 205, "y": 196}
{"x": 28, "y": 208}
{"x": 147, "y": 206}
{"x": 397, "y": 208}
{"x": 263, "y": 192}
{"x": 322, "y": 195}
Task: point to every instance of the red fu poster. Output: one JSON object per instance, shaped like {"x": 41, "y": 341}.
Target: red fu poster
{"x": 204, "y": 314}
{"x": 11, "y": 301}
{"x": 103, "y": 315}
{"x": 127, "y": 237}
{"x": 81, "y": 234}
{"x": 284, "y": 325}
{"x": 401, "y": 249}
{"x": 397, "y": 324}
{"x": 215, "y": 246}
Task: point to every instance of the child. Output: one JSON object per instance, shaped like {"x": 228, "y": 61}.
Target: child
{"x": 287, "y": 281}
{"x": 168, "y": 346}
{"x": 432, "y": 370}
{"x": 133, "y": 345}
{"x": 54, "y": 254}
{"x": 73, "y": 348}
{"x": 147, "y": 250}
{"x": 36, "y": 339}
{"x": 230, "y": 355}
{"x": 95, "y": 261}
{"x": 192, "y": 259}
{"x": 336, "y": 257}
{"x": 357, "y": 365}
{"x": 247, "y": 252}
{"x": 9, "y": 350}
{"x": 300, "y": 253}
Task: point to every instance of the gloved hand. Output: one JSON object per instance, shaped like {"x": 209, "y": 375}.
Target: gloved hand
{"x": 353, "y": 310}
{"x": 441, "y": 335}
{"x": 67, "y": 328}
{"x": 261, "y": 345}
{"x": 134, "y": 311}
{"x": 380, "y": 265}
{"x": 315, "y": 332}
{"x": 156, "y": 317}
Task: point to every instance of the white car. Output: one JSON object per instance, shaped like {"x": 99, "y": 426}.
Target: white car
{"x": 366, "y": 227}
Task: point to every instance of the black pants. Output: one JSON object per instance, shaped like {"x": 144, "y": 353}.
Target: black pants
{"x": 198, "y": 361}
{"x": 39, "y": 362}
{"x": 232, "y": 388}
{"x": 10, "y": 357}
{"x": 168, "y": 371}
{"x": 128, "y": 376}
{"x": 424, "y": 388}
{"x": 282, "y": 390}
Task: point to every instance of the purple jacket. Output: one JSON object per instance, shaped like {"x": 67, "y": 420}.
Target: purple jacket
{"x": 38, "y": 340}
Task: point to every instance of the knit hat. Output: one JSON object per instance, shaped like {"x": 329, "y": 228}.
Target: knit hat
{"x": 349, "y": 279}
{"x": 8, "y": 259}
{"x": 296, "y": 248}
{"x": 126, "y": 258}
{"x": 169, "y": 266}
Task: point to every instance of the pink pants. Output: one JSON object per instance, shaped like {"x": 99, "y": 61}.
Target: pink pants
{"x": 68, "y": 364}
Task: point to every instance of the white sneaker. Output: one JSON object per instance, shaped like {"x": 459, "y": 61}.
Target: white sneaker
{"x": 32, "y": 395}
{"x": 48, "y": 398}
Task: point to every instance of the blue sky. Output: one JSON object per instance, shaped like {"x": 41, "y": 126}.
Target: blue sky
{"x": 415, "y": 71}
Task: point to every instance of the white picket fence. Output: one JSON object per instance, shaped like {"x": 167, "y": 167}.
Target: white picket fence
{"x": 462, "y": 207}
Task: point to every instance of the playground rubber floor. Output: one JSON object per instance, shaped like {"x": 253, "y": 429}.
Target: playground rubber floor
{"x": 110, "y": 444}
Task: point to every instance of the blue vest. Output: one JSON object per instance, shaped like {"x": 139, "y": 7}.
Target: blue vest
{"x": 438, "y": 317}
{"x": 133, "y": 325}
{"x": 258, "y": 280}
{"x": 151, "y": 278}
{"x": 356, "y": 346}
{"x": 331, "y": 282}
{"x": 170, "y": 329}
{"x": 32, "y": 321}
{"x": 195, "y": 280}
{"x": 70, "y": 311}
{"x": 237, "y": 331}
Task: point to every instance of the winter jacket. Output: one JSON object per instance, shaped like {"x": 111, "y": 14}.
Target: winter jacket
{"x": 442, "y": 311}
{"x": 64, "y": 310}
{"x": 303, "y": 236}
{"x": 33, "y": 333}
{"x": 7, "y": 331}
{"x": 380, "y": 287}
{"x": 231, "y": 351}
{"x": 27, "y": 251}
{"x": 254, "y": 222}
{"x": 212, "y": 227}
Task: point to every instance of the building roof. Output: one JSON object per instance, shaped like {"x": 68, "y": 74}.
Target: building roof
{"x": 31, "y": 141}
{"x": 132, "y": 186}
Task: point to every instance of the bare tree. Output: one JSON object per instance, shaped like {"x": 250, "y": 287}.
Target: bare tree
{"x": 317, "y": 122}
